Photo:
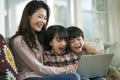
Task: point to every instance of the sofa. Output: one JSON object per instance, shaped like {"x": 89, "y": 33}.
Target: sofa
{"x": 8, "y": 69}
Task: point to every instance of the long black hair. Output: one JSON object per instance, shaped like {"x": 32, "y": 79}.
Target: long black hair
{"x": 25, "y": 27}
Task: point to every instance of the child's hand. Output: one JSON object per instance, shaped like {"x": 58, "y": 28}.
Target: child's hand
{"x": 91, "y": 49}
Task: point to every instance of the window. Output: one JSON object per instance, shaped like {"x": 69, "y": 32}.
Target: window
{"x": 95, "y": 18}
{"x": 61, "y": 12}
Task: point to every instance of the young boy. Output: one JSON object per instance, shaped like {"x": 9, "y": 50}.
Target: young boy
{"x": 76, "y": 38}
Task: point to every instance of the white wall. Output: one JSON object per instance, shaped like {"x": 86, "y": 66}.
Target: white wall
{"x": 2, "y": 17}
{"x": 15, "y": 9}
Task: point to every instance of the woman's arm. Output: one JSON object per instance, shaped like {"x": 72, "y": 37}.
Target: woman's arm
{"x": 90, "y": 49}
{"x": 22, "y": 50}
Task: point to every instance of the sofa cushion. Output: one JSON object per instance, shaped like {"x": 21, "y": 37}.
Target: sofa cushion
{"x": 8, "y": 69}
{"x": 96, "y": 42}
{"x": 115, "y": 49}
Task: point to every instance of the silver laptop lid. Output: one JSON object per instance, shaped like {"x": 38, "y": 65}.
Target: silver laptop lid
{"x": 94, "y": 65}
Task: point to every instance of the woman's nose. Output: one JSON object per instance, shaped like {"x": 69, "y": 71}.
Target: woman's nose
{"x": 43, "y": 20}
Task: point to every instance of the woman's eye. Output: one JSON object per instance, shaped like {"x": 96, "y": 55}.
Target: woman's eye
{"x": 45, "y": 18}
{"x": 40, "y": 16}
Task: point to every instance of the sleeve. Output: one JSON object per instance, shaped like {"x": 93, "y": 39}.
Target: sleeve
{"x": 25, "y": 54}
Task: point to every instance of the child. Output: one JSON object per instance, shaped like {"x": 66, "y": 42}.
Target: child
{"x": 55, "y": 53}
{"x": 55, "y": 48}
{"x": 76, "y": 38}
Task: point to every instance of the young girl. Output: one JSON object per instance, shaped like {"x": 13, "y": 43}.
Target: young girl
{"x": 76, "y": 38}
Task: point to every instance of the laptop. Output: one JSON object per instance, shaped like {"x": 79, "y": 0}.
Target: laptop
{"x": 94, "y": 65}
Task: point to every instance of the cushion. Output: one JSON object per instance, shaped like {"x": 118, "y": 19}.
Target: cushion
{"x": 115, "y": 49}
{"x": 8, "y": 69}
{"x": 96, "y": 42}
{"x": 107, "y": 45}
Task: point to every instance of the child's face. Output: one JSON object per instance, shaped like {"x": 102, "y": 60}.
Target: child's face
{"x": 76, "y": 44}
{"x": 58, "y": 45}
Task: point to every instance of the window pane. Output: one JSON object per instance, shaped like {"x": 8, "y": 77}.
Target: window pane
{"x": 95, "y": 19}
{"x": 100, "y": 5}
{"x": 86, "y": 4}
{"x": 87, "y": 24}
{"x": 62, "y": 12}
{"x": 101, "y": 26}
{"x": 60, "y": 7}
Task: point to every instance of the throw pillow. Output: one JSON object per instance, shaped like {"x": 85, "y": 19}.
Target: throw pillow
{"x": 115, "y": 49}
{"x": 96, "y": 42}
{"x": 8, "y": 69}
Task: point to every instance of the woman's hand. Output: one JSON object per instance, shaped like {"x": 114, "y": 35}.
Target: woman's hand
{"x": 71, "y": 68}
{"x": 90, "y": 49}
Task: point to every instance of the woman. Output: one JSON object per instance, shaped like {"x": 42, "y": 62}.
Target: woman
{"x": 26, "y": 46}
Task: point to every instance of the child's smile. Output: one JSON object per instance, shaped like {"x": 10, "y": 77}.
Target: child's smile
{"x": 76, "y": 44}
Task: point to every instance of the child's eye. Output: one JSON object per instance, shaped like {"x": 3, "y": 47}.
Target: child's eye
{"x": 58, "y": 40}
{"x": 79, "y": 39}
{"x": 65, "y": 40}
{"x": 71, "y": 41}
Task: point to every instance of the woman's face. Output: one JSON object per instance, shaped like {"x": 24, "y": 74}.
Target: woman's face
{"x": 76, "y": 44}
{"x": 38, "y": 19}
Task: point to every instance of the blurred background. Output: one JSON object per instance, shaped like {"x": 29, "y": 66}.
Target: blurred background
{"x": 97, "y": 18}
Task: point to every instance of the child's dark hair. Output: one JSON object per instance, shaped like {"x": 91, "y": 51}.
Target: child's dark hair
{"x": 74, "y": 32}
{"x": 52, "y": 31}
